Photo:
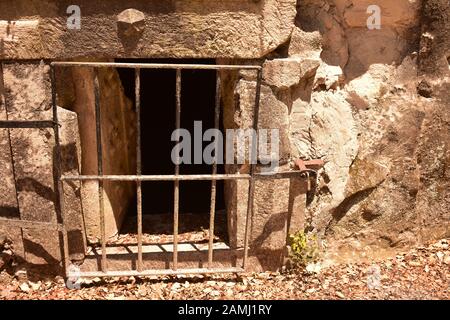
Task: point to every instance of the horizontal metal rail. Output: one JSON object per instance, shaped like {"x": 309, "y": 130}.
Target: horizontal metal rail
{"x": 282, "y": 174}
{"x": 17, "y": 223}
{"x": 155, "y": 66}
{"x": 14, "y": 124}
{"x": 190, "y": 177}
{"x": 163, "y": 272}
{"x": 204, "y": 177}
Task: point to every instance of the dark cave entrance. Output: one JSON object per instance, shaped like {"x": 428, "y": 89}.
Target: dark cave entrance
{"x": 158, "y": 105}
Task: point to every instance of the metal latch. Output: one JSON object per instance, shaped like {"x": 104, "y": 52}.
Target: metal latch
{"x": 308, "y": 168}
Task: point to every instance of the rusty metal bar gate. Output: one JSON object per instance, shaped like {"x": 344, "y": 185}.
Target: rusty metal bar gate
{"x": 252, "y": 176}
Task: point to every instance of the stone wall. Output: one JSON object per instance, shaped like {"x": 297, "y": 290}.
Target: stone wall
{"x": 179, "y": 29}
{"x": 30, "y": 158}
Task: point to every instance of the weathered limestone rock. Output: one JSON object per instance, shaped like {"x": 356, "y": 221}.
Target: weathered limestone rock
{"x": 365, "y": 175}
{"x": 269, "y": 223}
{"x": 386, "y": 188}
{"x": 380, "y": 213}
{"x": 130, "y": 27}
{"x": 399, "y": 22}
{"x": 305, "y": 44}
{"x": 300, "y": 118}
{"x": 401, "y": 13}
{"x": 377, "y": 213}
{"x": 321, "y": 125}
{"x": 348, "y": 43}
{"x": 433, "y": 53}
{"x": 330, "y": 134}
{"x": 308, "y": 45}
{"x": 365, "y": 90}
{"x": 18, "y": 36}
{"x": 16, "y": 30}
{"x": 172, "y": 29}
{"x": 433, "y": 158}
{"x": 285, "y": 73}
{"x": 8, "y": 201}
{"x": 320, "y": 16}
{"x": 386, "y": 48}
{"x": 328, "y": 77}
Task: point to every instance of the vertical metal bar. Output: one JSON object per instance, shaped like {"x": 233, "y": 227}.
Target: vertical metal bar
{"x": 100, "y": 167}
{"x": 253, "y": 156}
{"x": 214, "y": 172}
{"x": 177, "y": 172}
{"x": 138, "y": 164}
{"x": 57, "y": 174}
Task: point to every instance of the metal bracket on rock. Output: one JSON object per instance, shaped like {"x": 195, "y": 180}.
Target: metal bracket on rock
{"x": 308, "y": 167}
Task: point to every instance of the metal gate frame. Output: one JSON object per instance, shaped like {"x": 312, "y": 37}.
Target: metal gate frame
{"x": 252, "y": 176}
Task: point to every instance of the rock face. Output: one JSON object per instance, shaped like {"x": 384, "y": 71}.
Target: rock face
{"x": 349, "y": 43}
{"x": 384, "y": 185}
{"x": 433, "y": 198}
{"x": 285, "y": 73}
{"x": 177, "y": 28}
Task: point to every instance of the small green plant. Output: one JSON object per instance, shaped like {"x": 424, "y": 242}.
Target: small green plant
{"x": 304, "y": 248}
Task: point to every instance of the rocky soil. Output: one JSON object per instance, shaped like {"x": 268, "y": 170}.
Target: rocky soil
{"x": 422, "y": 273}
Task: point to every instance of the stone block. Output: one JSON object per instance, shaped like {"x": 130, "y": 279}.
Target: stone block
{"x": 180, "y": 28}
{"x": 288, "y": 72}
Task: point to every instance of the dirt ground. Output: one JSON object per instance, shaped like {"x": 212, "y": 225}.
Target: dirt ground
{"x": 422, "y": 273}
